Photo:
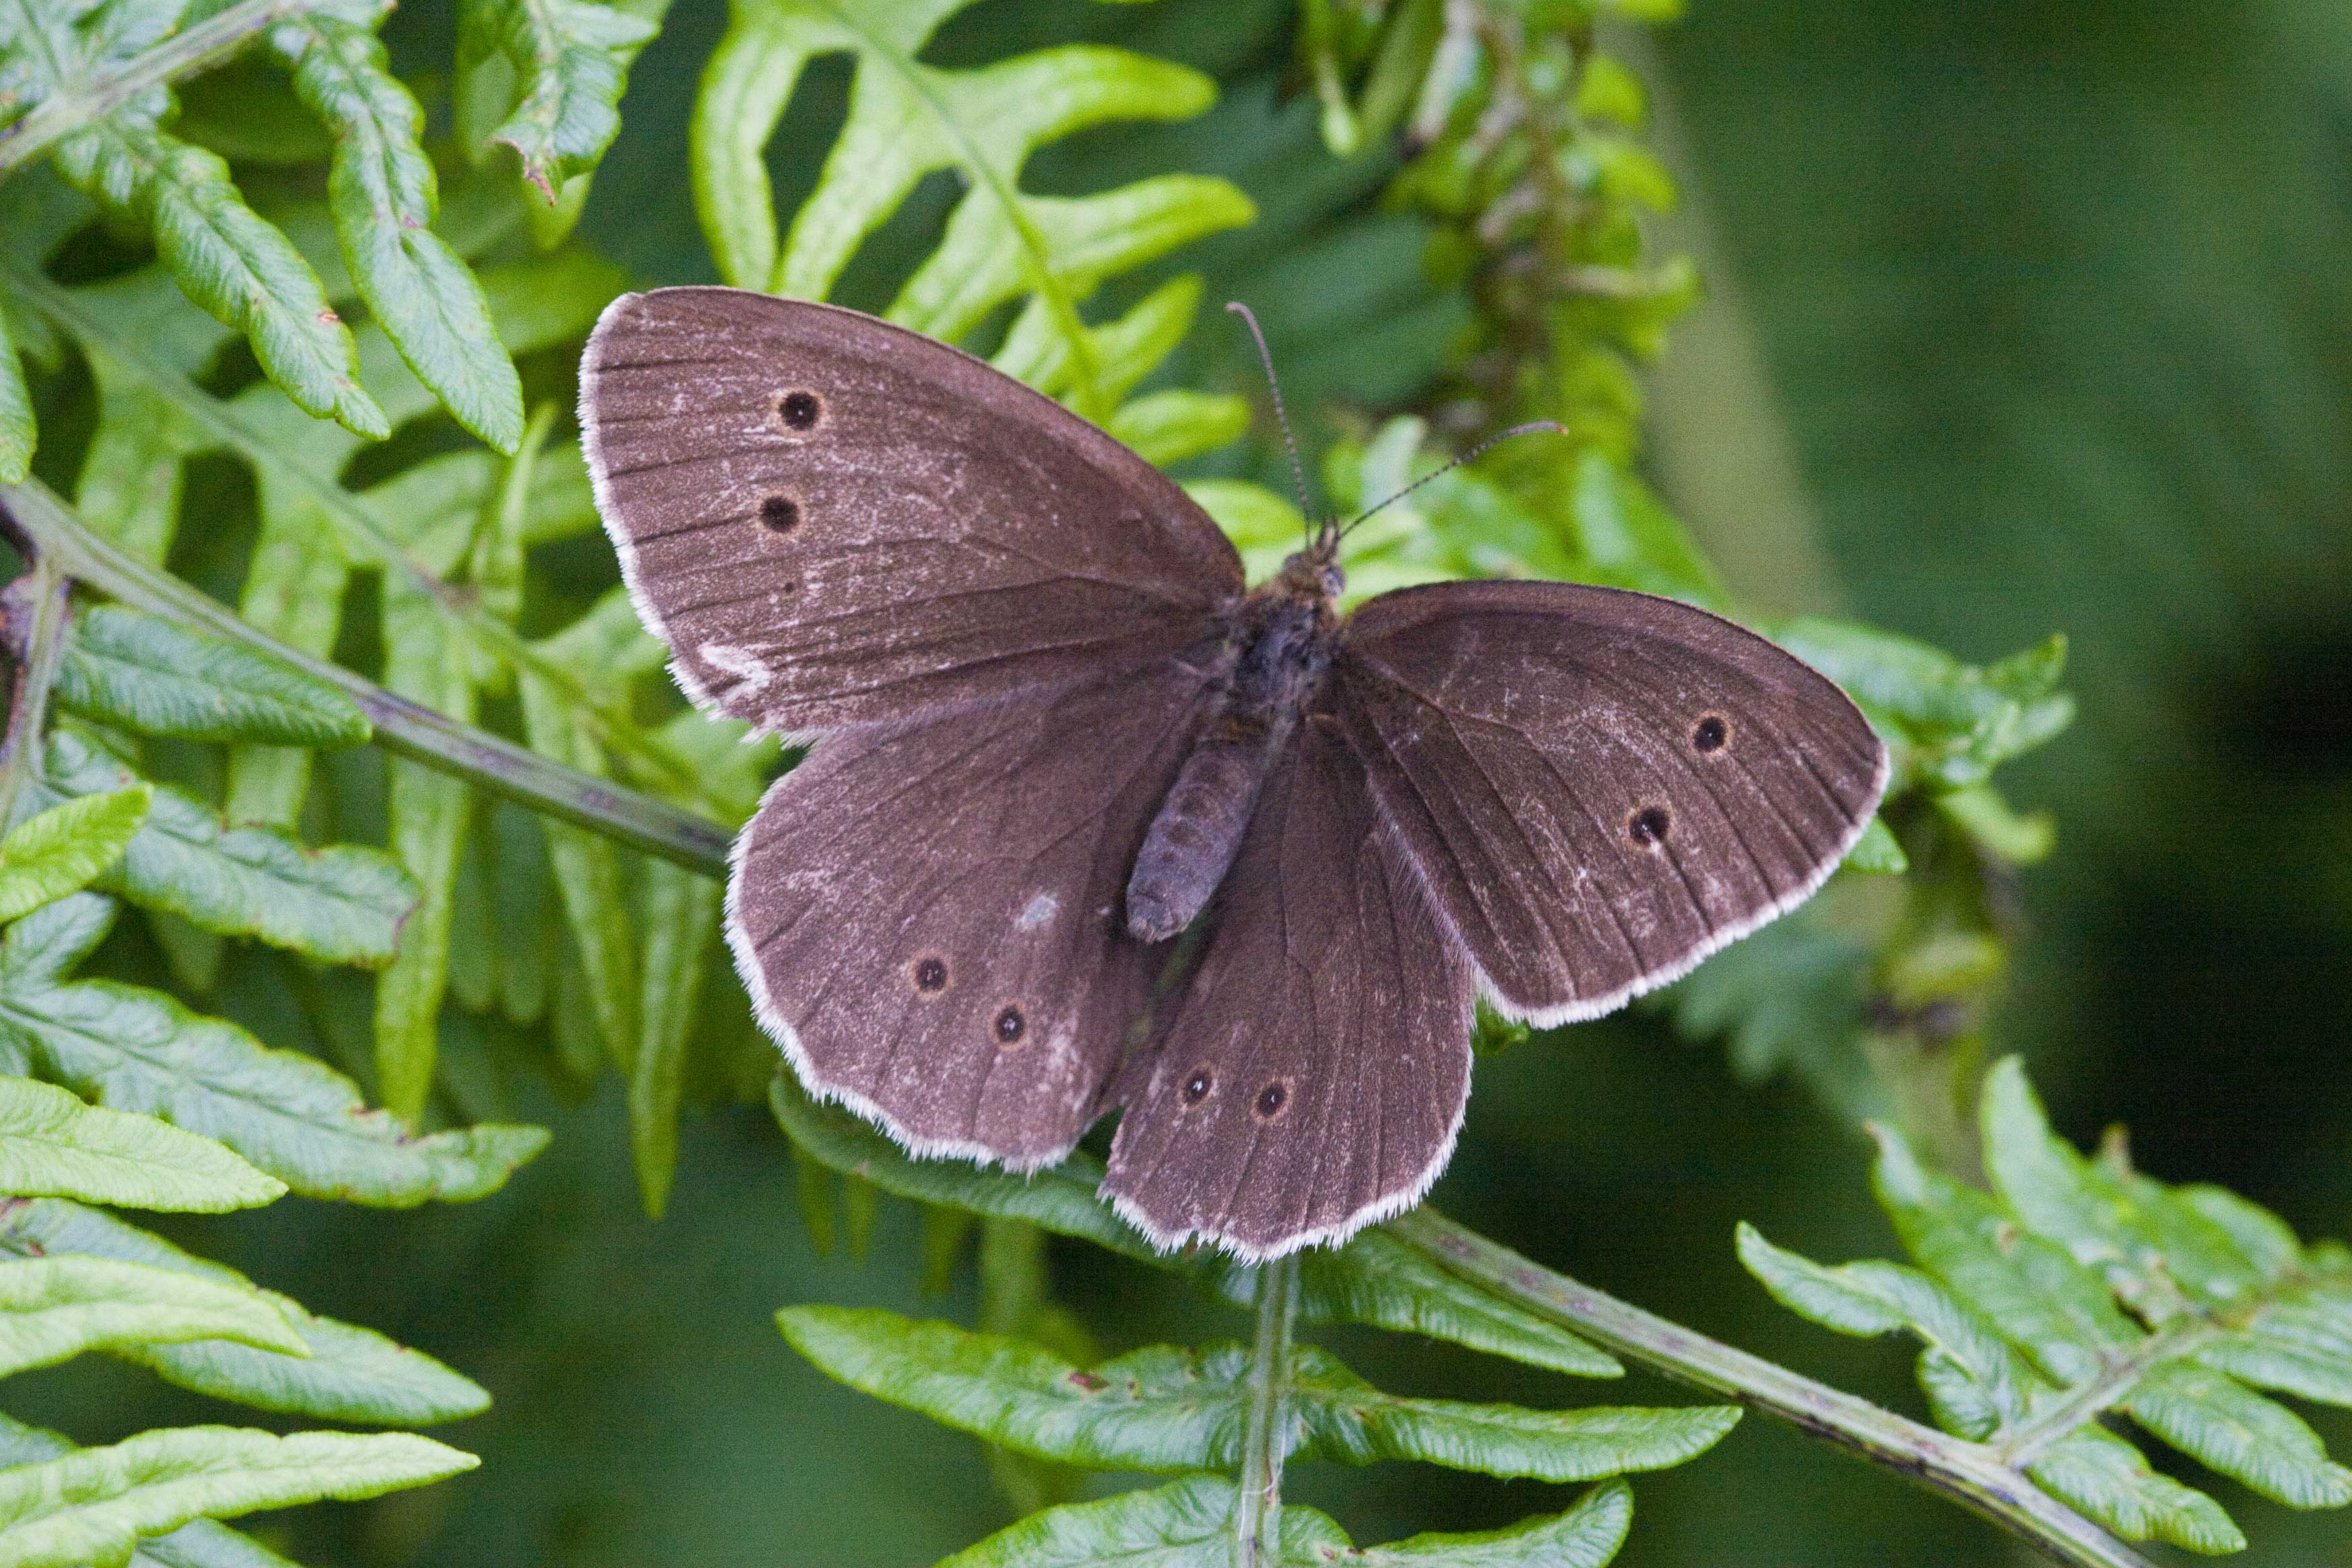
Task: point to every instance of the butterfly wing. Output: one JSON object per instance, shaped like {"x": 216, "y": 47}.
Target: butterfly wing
{"x": 834, "y": 522}
{"x": 1309, "y": 1077}
{"x": 929, "y": 917}
{"x": 1599, "y": 787}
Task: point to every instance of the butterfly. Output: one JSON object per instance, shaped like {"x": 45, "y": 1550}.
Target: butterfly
{"x": 1090, "y": 825}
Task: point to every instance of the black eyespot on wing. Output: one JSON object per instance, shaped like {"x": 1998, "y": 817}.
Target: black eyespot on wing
{"x": 1271, "y": 1100}
{"x": 1010, "y": 1027}
{"x": 1710, "y": 733}
{"x": 1648, "y": 825}
{"x": 799, "y": 410}
{"x": 930, "y": 975}
{"x": 779, "y": 513}
{"x": 1197, "y": 1087}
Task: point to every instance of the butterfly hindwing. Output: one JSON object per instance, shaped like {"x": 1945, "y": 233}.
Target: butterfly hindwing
{"x": 928, "y": 918}
{"x": 831, "y": 521}
{"x": 1309, "y": 1075}
{"x": 1599, "y": 787}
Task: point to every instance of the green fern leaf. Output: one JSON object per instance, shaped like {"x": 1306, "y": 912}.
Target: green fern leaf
{"x": 342, "y": 904}
{"x": 349, "y": 1373}
{"x": 384, "y": 195}
{"x": 237, "y": 267}
{"x": 201, "y": 1544}
{"x": 1189, "y": 1524}
{"x": 1161, "y": 1408}
{"x": 134, "y": 1050}
{"x": 92, "y": 1506}
{"x": 2080, "y": 1288}
{"x": 53, "y": 1145}
{"x": 158, "y": 678}
{"x": 1372, "y": 1280}
{"x": 47, "y": 857}
{"x": 908, "y": 120}
{"x": 556, "y": 102}
{"x": 18, "y": 433}
{"x": 53, "y": 1309}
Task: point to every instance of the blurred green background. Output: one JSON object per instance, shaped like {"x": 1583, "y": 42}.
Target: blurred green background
{"x": 2026, "y": 316}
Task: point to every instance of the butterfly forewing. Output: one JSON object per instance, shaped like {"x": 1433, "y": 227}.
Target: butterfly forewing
{"x": 832, "y": 521}
{"x": 1309, "y": 1077}
{"x": 929, "y": 916}
{"x": 1599, "y": 787}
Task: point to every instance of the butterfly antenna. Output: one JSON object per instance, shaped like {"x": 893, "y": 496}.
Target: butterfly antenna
{"x": 1266, "y": 358}
{"x": 1473, "y": 452}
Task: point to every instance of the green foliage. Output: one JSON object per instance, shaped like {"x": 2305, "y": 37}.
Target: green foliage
{"x": 545, "y": 78}
{"x": 47, "y": 857}
{"x": 1001, "y": 245}
{"x": 1187, "y": 1525}
{"x": 51, "y": 1144}
{"x": 2078, "y": 1287}
{"x": 342, "y": 1372}
{"x": 1166, "y": 1409}
{"x": 1372, "y": 1280}
{"x": 136, "y": 1049}
{"x": 145, "y": 674}
{"x": 382, "y": 195}
{"x": 91, "y": 1506}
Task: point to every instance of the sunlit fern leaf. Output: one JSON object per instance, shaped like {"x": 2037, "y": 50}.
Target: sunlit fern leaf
{"x": 53, "y": 1145}
{"x": 236, "y": 266}
{"x": 350, "y": 1373}
{"x": 135, "y": 1049}
{"x": 54, "y": 1309}
{"x": 93, "y": 1505}
{"x": 384, "y": 194}
{"x": 545, "y": 78}
{"x": 201, "y": 1544}
{"x": 1189, "y": 1524}
{"x": 150, "y": 675}
{"x": 908, "y": 120}
{"x": 343, "y": 904}
{"x": 1166, "y": 1409}
{"x": 18, "y": 431}
{"x": 2080, "y": 1290}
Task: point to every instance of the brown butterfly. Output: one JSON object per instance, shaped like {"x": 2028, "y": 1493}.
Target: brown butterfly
{"x": 1058, "y": 730}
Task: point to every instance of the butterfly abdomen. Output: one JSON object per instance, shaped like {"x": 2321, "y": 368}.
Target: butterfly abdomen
{"x": 1281, "y": 653}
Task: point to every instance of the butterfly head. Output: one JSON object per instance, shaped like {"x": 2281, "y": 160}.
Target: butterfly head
{"x": 1313, "y": 574}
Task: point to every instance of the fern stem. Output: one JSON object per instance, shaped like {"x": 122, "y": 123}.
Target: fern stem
{"x": 357, "y": 528}
{"x": 1266, "y": 1442}
{"x": 35, "y": 607}
{"x": 1972, "y": 1474}
{"x": 55, "y": 534}
{"x": 209, "y": 43}
{"x": 2113, "y": 1385}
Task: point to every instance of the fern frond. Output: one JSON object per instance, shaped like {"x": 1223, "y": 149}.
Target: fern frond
{"x": 1002, "y": 246}
{"x": 2079, "y": 1289}
{"x": 1188, "y": 1525}
{"x": 343, "y": 1373}
{"x": 1165, "y": 1409}
{"x": 239, "y": 267}
{"x": 135, "y": 1049}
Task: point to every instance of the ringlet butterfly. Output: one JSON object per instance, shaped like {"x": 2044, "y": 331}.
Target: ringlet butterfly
{"x": 1058, "y": 730}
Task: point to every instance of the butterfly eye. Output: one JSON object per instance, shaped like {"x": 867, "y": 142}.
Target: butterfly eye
{"x": 1010, "y": 1027}
{"x": 1711, "y": 733}
{"x": 780, "y": 514}
{"x": 1197, "y": 1087}
{"x": 1648, "y": 825}
{"x": 1271, "y": 1100}
{"x": 799, "y": 410}
{"x": 930, "y": 976}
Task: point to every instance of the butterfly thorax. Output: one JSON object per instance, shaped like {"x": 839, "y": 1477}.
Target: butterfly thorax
{"x": 1271, "y": 664}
